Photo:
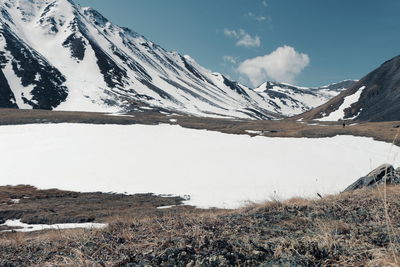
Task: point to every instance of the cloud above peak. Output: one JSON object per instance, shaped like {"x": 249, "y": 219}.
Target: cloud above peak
{"x": 243, "y": 38}
{"x": 282, "y": 65}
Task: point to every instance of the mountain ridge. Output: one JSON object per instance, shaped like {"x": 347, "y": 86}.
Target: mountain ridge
{"x": 60, "y": 56}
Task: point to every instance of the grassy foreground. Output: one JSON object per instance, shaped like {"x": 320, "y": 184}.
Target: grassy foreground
{"x": 350, "y": 229}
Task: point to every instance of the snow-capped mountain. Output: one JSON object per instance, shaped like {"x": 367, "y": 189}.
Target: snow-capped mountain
{"x": 291, "y": 100}
{"x": 375, "y": 97}
{"x": 58, "y": 55}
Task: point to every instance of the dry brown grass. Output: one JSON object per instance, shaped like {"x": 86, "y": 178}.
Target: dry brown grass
{"x": 347, "y": 229}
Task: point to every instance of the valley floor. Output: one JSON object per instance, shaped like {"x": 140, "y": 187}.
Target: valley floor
{"x": 358, "y": 228}
{"x": 199, "y": 162}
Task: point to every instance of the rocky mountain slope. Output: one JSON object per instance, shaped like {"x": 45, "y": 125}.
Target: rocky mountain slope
{"x": 376, "y": 97}
{"x": 58, "y": 55}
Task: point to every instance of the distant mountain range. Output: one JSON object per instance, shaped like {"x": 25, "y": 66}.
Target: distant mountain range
{"x": 290, "y": 100}
{"x": 58, "y": 55}
{"x": 376, "y": 97}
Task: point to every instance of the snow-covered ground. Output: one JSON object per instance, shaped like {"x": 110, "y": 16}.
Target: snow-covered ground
{"x": 216, "y": 169}
{"x": 24, "y": 227}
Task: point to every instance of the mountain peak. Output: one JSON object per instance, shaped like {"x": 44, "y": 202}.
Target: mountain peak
{"x": 97, "y": 18}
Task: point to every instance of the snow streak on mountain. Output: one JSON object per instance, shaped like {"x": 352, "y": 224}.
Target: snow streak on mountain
{"x": 57, "y": 55}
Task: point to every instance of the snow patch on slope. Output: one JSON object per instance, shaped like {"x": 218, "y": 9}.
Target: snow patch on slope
{"x": 347, "y": 102}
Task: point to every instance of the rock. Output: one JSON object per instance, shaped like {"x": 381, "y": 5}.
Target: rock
{"x": 377, "y": 177}
{"x": 397, "y": 171}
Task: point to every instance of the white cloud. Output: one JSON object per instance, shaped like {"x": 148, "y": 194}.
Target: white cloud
{"x": 258, "y": 18}
{"x": 265, "y": 4}
{"x": 282, "y": 65}
{"x": 243, "y": 38}
{"x": 230, "y": 59}
{"x": 231, "y": 33}
{"x": 249, "y": 41}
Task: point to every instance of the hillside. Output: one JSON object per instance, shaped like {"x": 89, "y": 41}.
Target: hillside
{"x": 375, "y": 97}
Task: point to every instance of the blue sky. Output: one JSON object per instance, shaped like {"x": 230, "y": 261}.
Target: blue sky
{"x": 305, "y": 42}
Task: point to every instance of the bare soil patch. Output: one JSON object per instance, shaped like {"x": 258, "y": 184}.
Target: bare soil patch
{"x": 56, "y": 206}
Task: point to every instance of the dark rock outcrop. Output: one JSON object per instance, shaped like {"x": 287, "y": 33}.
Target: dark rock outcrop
{"x": 383, "y": 173}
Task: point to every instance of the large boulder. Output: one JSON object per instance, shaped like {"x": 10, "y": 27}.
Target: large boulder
{"x": 383, "y": 173}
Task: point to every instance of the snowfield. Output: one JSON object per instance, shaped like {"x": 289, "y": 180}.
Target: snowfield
{"x": 215, "y": 169}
